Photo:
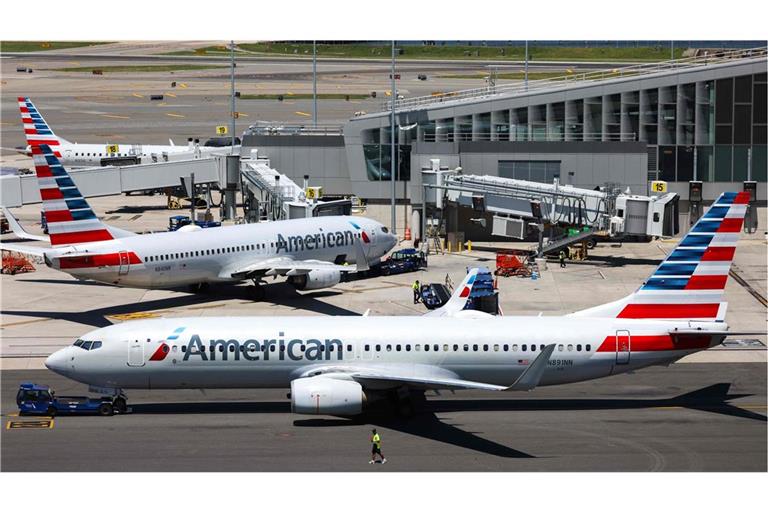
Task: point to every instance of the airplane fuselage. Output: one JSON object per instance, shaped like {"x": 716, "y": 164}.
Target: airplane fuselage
{"x": 170, "y": 259}
{"x": 270, "y": 352}
{"x": 96, "y": 155}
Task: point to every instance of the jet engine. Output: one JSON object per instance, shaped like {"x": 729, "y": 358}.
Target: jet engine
{"x": 322, "y": 395}
{"x": 316, "y": 279}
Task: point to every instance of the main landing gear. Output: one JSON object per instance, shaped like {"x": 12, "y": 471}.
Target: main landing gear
{"x": 257, "y": 291}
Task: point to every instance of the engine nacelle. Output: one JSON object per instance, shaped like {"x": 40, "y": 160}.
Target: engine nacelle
{"x": 316, "y": 279}
{"x": 322, "y": 395}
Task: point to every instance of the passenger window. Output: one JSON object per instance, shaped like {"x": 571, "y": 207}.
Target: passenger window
{"x": 417, "y": 347}
{"x": 474, "y": 347}
{"x": 533, "y": 348}
{"x": 495, "y": 348}
{"x": 455, "y": 348}
{"x": 485, "y": 348}
{"x": 389, "y": 348}
{"x": 96, "y": 344}
{"x": 570, "y": 348}
{"x": 397, "y": 347}
{"x": 436, "y": 347}
{"x": 466, "y": 348}
{"x": 514, "y": 348}
{"x": 426, "y": 348}
{"x": 183, "y": 348}
{"x": 407, "y": 348}
{"x": 445, "y": 348}
{"x": 367, "y": 348}
{"x": 525, "y": 348}
{"x": 221, "y": 348}
{"x": 559, "y": 348}
{"x": 272, "y": 348}
{"x": 231, "y": 348}
{"x": 349, "y": 348}
{"x": 378, "y": 348}
{"x": 506, "y": 348}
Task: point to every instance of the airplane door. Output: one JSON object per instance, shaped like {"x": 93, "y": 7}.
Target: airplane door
{"x": 623, "y": 347}
{"x": 135, "y": 353}
{"x": 125, "y": 263}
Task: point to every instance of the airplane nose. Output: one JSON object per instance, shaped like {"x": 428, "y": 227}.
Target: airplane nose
{"x": 57, "y": 362}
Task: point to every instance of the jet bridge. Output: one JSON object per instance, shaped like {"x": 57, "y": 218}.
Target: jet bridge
{"x": 518, "y": 205}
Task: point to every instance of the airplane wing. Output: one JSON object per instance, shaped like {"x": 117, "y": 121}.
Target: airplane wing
{"x": 459, "y": 298}
{"x": 30, "y": 250}
{"x": 283, "y": 266}
{"x": 19, "y": 231}
{"x": 286, "y": 266}
{"x": 374, "y": 379}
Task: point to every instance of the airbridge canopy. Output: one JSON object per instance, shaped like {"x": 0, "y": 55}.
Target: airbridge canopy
{"x": 112, "y": 180}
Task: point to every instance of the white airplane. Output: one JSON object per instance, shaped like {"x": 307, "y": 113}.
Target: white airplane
{"x": 312, "y": 252}
{"x": 335, "y": 365}
{"x": 72, "y": 154}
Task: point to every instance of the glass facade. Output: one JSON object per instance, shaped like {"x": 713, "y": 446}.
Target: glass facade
{"x": 708, "y": 130}
{"x": 543, "y": 171}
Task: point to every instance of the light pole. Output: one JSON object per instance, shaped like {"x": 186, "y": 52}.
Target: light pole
{"x": 232, "y": 77}
{"x": 526, "y": 65}
{"x": 392, "y": 160}
{"x": 314, "y": 83}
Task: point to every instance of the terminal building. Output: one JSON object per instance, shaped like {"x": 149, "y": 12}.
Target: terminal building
{"x": 701, "y": 118}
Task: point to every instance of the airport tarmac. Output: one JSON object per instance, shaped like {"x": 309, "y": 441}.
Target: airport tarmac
{"x": 690, "y": 417}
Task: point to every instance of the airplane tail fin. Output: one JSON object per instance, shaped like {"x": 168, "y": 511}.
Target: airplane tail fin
{"x": 69, "y": 216}
{"x": 690, "y": 283}
{"x": 36, "y": 129}
{"x": 459, "y": 298}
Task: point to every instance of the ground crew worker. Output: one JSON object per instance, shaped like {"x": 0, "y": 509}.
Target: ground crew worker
{"x": 562, "y": 259}
{"x": 416, "y": 291}
{"x": 376, "y": 448}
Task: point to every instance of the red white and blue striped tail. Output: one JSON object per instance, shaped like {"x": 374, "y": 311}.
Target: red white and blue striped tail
{"x": 36, "y": 129}
{"x": 690, "y": 283}
{"x": 70, "y": 219}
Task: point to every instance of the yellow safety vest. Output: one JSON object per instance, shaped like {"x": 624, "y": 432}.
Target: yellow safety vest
{"x": 376, "y": 440}
{"x": 416, "y": 286}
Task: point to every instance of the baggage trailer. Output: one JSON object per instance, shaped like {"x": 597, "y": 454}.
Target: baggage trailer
{"x": 40, "y": 399}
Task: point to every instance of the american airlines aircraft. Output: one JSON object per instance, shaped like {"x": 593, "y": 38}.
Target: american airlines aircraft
{"x": 73, "y": 154}
{"x": 337, "y": 365}
{"x": 312, "y": 253}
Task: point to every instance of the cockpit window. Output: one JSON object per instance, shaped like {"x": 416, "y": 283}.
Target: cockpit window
{"x": 86, "y": 345}
{"x": 96, "y": 344}
{"x": 385, "y": 230}
{"x": 78, "y": 343}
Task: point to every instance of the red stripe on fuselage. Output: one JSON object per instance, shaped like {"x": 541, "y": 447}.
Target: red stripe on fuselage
{"x": 718, "y": 254}
{"x": 658, "y": 343}
{"x": 706, "y": 282}
{"x": 669, "y": 311}
{"x": 96, "y": 260}
{"x": 80, "y": 237}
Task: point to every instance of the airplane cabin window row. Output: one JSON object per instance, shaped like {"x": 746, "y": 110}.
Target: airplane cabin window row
{"x": 208, "y": 252}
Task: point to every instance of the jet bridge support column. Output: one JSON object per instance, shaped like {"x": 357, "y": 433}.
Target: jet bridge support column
{"x": 229, "y": 179}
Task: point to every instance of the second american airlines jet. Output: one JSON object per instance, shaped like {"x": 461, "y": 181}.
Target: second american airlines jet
{"x": 335, "y": 365}
{"x": 312, "y": 253}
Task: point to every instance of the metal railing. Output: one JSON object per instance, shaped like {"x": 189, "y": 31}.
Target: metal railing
{"x": 568, "y": 80}
{"x": 294, "y": 129}
{"x": 531, "y": 137}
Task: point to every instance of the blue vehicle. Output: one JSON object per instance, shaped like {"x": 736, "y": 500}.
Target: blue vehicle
{"x": 404, "y": 260}
{"x": 36, "y": 399}
{"x": 179, "y": 221}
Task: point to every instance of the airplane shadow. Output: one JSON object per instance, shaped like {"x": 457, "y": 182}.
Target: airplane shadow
{"x": 278, "y": 293}
{"x": 433, "y": 422}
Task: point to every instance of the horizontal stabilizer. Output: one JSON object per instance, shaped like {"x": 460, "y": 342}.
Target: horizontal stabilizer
{"x": 19, "y": 231}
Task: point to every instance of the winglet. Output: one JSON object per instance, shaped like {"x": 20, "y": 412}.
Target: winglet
{"x": 361, "y": 261}
{"x": 18, "y": 230}
{"x": 458, "y": 300}
{"x": 532, "y": 375}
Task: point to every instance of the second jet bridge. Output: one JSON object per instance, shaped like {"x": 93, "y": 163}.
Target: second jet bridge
{"x": 515, "y": 204}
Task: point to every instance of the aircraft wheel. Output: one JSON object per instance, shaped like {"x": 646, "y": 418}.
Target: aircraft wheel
{"x": 121, "y": 405}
